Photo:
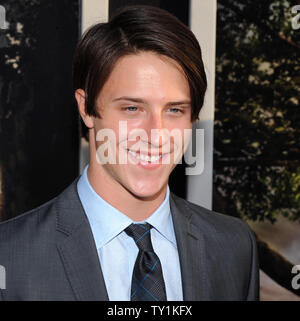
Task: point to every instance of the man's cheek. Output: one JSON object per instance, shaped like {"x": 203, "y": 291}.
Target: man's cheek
{"x": 106, "y": 146}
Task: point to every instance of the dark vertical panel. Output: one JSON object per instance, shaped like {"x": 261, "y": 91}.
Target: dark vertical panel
{"x": 115, "y": 4}
{"x": 38, "y": 121}
{"x": 180, "y": 9}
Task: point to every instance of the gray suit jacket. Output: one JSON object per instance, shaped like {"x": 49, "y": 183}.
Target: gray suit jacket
{"x": 49, "y": 253}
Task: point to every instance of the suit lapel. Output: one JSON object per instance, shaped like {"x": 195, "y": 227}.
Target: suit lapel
{"x": 191, "y": 249}
{"x": 77, "y": 248}
{"x": 79, "y": 255}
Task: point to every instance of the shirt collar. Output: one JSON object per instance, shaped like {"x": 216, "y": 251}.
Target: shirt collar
{"x": 107, "y": 222}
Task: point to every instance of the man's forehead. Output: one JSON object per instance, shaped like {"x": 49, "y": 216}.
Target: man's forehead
{"x": 146, "y": 58}
{"x": 146, "y": 76}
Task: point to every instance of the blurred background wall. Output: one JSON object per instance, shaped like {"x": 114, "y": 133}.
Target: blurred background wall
{"x": 39, "y": 132}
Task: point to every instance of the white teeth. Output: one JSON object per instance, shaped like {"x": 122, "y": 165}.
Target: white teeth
{"x": 154, "y": 158}
{"x": 145, "y": 158}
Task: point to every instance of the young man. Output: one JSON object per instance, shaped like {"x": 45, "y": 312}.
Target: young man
{"x": 117, "y": 232}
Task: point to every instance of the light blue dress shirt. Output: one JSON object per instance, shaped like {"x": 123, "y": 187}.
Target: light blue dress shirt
{"x": 117, "y": 251}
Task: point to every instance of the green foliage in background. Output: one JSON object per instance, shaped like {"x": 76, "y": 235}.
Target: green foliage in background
{"x": 257, "y": 154}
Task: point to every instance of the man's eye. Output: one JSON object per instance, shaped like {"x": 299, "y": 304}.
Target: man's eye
{"x": 131, "y": 108}
{"x": 175, "y": 110}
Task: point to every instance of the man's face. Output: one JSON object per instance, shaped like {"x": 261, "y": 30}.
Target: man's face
{"x": 150, "y": 94}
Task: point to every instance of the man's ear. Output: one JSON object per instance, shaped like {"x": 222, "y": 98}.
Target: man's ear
{"x": 80, "y": 98}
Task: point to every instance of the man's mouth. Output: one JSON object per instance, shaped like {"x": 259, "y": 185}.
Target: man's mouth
{"x": 146, "y": 158}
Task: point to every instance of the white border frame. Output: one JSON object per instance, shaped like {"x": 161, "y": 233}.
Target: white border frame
{"x": 203, "y": 17}
{"x": 92, "y": 12}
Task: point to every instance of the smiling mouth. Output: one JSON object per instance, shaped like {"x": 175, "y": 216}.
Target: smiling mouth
{"x": 146, "y": 158}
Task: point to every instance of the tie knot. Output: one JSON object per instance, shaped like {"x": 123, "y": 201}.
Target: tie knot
{"x": 141, "y": 235}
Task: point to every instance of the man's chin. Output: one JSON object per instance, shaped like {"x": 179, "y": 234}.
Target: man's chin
{"x": 148, "y": 194}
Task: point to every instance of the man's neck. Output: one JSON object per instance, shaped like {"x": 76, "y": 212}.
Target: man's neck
{"x": 138, "y": 209}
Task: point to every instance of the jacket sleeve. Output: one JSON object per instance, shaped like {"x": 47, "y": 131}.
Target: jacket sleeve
{"x": 253, "y": 287}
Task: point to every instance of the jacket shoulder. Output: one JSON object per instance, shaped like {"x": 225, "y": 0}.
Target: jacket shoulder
{"x": 15, "y": 227}
{"x": 230, "y": 250}
{"x": 214, "y": 221}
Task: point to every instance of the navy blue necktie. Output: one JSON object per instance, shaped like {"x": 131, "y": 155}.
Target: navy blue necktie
{"x": 147, "y": 278}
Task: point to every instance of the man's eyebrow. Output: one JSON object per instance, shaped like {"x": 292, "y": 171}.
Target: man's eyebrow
{"x": 136, "y": 100}
{"x": 180, "y": 102}
{"x": 139, "y": 100}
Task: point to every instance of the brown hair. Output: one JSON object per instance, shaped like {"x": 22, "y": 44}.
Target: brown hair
{"x": 131, "y": 30}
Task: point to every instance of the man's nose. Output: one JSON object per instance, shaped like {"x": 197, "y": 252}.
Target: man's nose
{"x": 156, "y": 130}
